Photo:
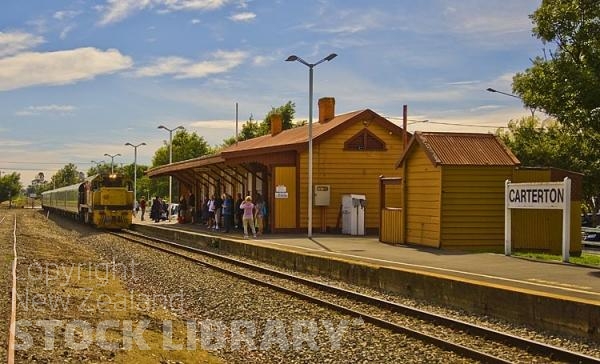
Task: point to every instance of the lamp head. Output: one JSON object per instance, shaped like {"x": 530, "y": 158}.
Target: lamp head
{"x": 330, "y": 57}
{"x": 179, "y": 127}
{"x": 107, "y": 155}
{"x": 130, "y": 144}
{"x": 142, "y": 143}
{"x": 490, "y": 89}
{"x": 162, "y": 127}
{"x": 292, "y": 58}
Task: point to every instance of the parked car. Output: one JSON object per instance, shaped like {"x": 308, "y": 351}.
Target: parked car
{"x": 591, "y": 236}
{"x": 586, "y": 220}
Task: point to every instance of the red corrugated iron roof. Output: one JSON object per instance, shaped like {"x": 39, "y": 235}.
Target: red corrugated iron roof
{"x": 462, "y": 149}
{"x": 289, "y": 138}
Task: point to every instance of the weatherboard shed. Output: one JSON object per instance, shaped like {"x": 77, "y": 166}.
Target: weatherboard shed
{"x": 454, "y": 189}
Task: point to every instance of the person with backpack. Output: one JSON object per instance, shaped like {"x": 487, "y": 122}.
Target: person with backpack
{"x": 239, "y": 212}
{"x": 143, "y": 207}
{"x": 260, "y": 214}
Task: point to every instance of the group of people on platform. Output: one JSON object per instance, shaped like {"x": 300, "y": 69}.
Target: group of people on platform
{"x": 223, "y": 213}
{"x": 218, "y": 213}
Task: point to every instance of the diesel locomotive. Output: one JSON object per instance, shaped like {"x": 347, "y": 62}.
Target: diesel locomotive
{"x": 102, "y": 200}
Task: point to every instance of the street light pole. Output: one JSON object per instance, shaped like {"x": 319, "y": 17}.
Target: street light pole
{"x": 135, "y": 147}
{"x": 489, "y": 89}
{"x": 170, "y": 158}
{"x": 98, "y": 165}
{"x": 112, "y": 161}
{"x": 310, "y": 66}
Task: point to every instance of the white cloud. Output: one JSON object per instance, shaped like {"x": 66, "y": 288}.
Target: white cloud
{"x": 264, "y": 60}
{"x": 185, "y": 68}
{"x": 193, "y": 4}
{"x": 349, "y": 21}
{"x": 65, "y": 14}
{"x": 241, "y": 17}
{"x": 476, "y": 17}
{"x": 15, "y": 42}
{"x": 117, "y": 10}
{"x": 46, "y": 109}
{"x": 59, "y": 68}
{"x": 65, "y": 31}
{"x": 213, "y": 124}
{"x": 163, "y": 66}
{"x": 7, "y": 145}
{"x": 461, "y": 83}
{"x": 195, "y": 21}
{"x": 485, "y": 108}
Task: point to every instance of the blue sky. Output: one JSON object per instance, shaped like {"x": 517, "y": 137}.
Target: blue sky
{"x": 81, "y": 78}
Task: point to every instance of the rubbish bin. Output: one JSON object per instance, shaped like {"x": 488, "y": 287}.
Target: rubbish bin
{"x": 353, "y": 214}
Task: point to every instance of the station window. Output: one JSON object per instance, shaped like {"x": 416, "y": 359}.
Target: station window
{"x": 365, "y": 140}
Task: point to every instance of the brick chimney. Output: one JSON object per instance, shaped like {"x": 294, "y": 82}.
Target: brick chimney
{"x": 326, "y": 109}
{"x": 276, "y": 124}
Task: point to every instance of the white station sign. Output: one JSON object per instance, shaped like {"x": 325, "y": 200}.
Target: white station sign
{"x": 539, "y": 195}
{"x": 542, "y": 195}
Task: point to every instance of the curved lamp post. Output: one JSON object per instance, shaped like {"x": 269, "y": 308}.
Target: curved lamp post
{"x": 489, "y": 89}
{"x": 170, "y": 157}
{"x": 135, "y": 147}
{"x": 310, "y": 66}
{"x": 112, "y": 161}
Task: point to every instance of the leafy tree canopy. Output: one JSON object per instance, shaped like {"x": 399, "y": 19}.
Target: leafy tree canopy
{"x": 66, "y": 176}
{"x": 252, "y": 129}
{"x": 185, "y": 146}
{"x": 551, "y": 144}
{"x": 10, "y": 185}
{"x": 565, "y": 83}
{"x": 287, "y": 113}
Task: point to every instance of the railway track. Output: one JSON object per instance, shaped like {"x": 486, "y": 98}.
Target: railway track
{"x": 466, "y": 339}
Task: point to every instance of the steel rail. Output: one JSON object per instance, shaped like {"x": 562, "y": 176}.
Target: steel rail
{"x": 530, "y": 346}
{"x": 10, "y": 357}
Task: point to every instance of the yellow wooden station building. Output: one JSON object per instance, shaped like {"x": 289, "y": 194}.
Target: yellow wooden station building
{"x": 350, "y": 152}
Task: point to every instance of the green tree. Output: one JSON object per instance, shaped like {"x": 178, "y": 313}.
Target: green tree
{"x": 252, "y": 129}
{"x": 145, "y": 185}
{"x": 101, "y": 168}
{"x": 68, "y": 175}
{"x": 186, "y": 146}
{"x": 565, "y": 83}
{"x": 551, "y": 144}
{"x": 10, "y": 186}
{"x": 287, "y": 113}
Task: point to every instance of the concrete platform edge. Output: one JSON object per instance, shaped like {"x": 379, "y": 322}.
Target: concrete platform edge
{"x": 547, "y": 312}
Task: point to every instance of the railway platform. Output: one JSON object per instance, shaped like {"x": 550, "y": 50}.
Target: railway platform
{"x": 554, "y": 296}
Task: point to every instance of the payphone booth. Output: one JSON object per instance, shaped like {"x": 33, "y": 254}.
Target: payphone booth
{"x": 353, "y": 214}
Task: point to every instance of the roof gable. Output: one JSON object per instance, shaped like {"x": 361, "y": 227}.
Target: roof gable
{"x": 461, "y": 149}
{"x": 297, "y": 138}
